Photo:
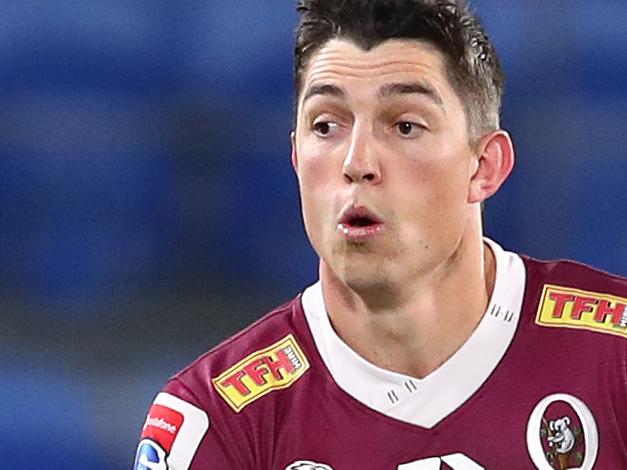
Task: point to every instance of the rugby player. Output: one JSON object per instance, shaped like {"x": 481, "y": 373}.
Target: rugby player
{"x": 423, "y": 345}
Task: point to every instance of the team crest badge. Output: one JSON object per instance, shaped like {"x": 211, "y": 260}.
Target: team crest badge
{"x": 562, "y": 434}
{"x": 307, "y": 465}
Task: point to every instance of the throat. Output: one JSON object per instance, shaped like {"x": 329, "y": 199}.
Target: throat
{"x": 412, "y": 336}
{"x": 412, "y": 345}
{"x": 415, "y": 327}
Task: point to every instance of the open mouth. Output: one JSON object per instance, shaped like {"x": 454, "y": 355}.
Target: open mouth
{"x": 359, "y": 217}
{"x": 360, "y": 224}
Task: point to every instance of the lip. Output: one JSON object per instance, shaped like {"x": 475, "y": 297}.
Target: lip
{"x": 356, "y": 233}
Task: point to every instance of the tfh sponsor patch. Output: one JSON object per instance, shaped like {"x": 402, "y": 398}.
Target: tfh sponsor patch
{"x": 275, "y": 367}
{"x": 172, "y": 432}
{"x": 574, "y": 308}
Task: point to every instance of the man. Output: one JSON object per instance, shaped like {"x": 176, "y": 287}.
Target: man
{"x": 423, "y": 345}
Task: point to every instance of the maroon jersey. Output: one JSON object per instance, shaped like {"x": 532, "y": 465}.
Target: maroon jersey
{"x": 541, "y": 383}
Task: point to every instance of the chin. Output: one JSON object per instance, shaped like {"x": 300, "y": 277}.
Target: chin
{"x": 376, "y": 291}
{"x": 368, "y": 286}
{"x": 361, "y": 279}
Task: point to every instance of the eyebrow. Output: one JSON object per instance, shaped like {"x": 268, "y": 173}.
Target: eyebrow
{"x": 423, "y": 89}
{"x": 383, "y": 92}
{"x": 324, "y": 89}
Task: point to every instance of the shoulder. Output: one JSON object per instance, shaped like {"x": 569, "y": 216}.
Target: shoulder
{"x": 574, "y": 274}
{"x": 571, "y": 295}
{"x": 199, "y": 414}
{"x": 266, "y": 356}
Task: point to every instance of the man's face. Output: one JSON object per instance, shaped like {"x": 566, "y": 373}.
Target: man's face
{"x": 384, "y": 163}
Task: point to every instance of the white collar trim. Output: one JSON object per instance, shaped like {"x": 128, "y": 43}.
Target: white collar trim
{"x": 425, "y": 402}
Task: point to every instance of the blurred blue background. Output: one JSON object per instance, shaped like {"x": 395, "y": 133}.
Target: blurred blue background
{"x": 148, "y": 206}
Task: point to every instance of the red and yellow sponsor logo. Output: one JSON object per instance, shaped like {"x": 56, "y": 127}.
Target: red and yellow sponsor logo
{"x": 273, "y": 368}
{"x": 575, "y": 308}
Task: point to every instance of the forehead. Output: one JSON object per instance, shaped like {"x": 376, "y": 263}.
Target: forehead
{"x": 341, "y": 60}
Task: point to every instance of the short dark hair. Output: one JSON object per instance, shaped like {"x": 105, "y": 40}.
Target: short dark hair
{"x": 472, "y": 65}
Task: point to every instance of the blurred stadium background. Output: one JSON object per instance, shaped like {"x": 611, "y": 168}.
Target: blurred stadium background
{"x": 149, "y": 208}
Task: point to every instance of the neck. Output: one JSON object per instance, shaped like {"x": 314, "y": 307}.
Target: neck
{"x": 418, "y": 326}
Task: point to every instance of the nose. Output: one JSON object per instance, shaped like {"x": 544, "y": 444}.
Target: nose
{"x": 361, "y": 164}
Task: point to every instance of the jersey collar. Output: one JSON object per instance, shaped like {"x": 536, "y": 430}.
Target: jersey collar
{"x": 427, "y": 401}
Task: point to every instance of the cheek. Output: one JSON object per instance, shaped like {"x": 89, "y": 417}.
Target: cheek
{"x": 315, "y": 164}
{"x": 434, "y": 182}
{"x": 432, "y": 194}
{"x": 315, "y": 179}
{"x": 313, "y": 175}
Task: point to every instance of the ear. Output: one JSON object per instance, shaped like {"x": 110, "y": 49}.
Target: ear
{"x": 294, "y": 154}
{"x": 495, "y": 160}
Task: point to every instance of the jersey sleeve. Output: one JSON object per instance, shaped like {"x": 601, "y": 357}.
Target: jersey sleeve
{"x": 180, "y": 434}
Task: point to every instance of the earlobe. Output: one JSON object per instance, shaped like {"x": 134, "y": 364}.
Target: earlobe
{"x": 494, "y": 164}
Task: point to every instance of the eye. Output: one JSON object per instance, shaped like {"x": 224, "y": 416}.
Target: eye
{"x": 409, "y": 129}
{"x": 324, "y": 128}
